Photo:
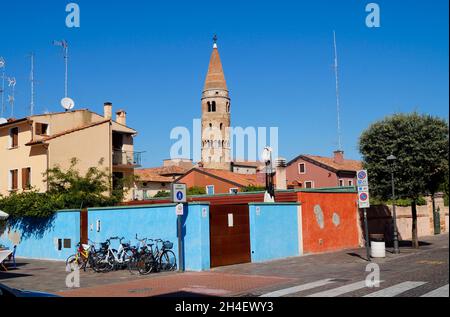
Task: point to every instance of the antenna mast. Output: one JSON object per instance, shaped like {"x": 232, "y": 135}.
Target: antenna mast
{"x": 2, "y": 89}
{"x": 65, "y": 47}
{"x": 338, "y": 105}
{"x": 32, "y": 84}
{"x": 12, "y": 98}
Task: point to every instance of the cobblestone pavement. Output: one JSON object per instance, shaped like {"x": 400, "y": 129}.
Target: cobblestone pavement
{"x": 429, "y": 264}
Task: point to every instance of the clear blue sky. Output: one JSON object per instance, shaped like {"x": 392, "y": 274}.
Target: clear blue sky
{"x": 151, "y": 58}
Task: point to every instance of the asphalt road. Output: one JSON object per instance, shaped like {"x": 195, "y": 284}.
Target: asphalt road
{"x": 413, "y": 273}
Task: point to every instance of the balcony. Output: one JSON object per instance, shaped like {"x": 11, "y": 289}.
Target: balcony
{"x": 127, "y": 159}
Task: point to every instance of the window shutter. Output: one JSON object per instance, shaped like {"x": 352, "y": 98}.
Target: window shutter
{"x": 38, "y": 129}
{"x": 25, "y": 178}
{"x": 14, "y": 180}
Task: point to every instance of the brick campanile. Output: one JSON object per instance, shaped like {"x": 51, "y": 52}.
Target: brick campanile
{"x": 216, "y": 118}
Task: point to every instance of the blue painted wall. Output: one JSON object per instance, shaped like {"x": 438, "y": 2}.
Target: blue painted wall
{"x": 38, "y": 237}
{"x": 156, "y": 221}
{"x": 274, "y": 231}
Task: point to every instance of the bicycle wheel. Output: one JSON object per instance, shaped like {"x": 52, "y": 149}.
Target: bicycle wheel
{"x": 73, "y": 262}
{"x": 133, "y": 264}
{"x": 167, "y": 261}
{"x": 147, "y": 264}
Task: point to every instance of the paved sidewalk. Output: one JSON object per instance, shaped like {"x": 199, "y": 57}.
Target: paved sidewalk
{"x": 252, "y": 279}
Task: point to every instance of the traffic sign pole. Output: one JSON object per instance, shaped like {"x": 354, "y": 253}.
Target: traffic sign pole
{"x": 180, "y": 244}
{"x": 366, "y": 225}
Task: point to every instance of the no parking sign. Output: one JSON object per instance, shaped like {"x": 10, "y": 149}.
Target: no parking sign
{"x": 363, "y": 189}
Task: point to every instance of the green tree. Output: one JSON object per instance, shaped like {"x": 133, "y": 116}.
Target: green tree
{"x": 252, "y": 188}
{"x": 67, "y": 189}
{"x": 420, "y": 143}
{"x": 162, "y": 194}
{"x": 196, "y": 191}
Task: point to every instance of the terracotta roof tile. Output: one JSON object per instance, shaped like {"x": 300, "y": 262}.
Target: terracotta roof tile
{"x": 148, "y": 175}
{"x": 57, "y": 135}
{"x": 347, "y": 165}
{"x": 241, "y": 179}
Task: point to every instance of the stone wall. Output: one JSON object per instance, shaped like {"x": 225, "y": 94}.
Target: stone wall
{"x": 380, "y": 219}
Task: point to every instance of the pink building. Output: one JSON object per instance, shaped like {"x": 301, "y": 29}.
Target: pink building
{"x": 311, "y": 171}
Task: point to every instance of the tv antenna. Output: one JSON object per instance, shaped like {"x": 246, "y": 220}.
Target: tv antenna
{"x": 65, "y": 47}
{"x": 32, "y": 84}
{"x": 11, "y": 98}
{"x": 338, "y": 105}
{"x": 2, "y": 88}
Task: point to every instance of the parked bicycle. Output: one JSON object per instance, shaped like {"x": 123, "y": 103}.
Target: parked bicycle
{"x": 112, "y": 259}
{"x": 83, "y": 258}
{"x": 164, "y": 256}
{"x": 142, "y": 260}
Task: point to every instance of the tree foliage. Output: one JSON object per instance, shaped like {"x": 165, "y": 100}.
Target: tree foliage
{"x": 253, "y": 188}
{"x": 67, "y": 189}
{"x": 420, "y": 143}
{"x": 196, "y": 191}
{"x": 162, "y": 194}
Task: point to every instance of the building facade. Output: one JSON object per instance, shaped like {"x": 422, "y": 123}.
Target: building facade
{"x": 32, "y": 145}
{"x": 311, "y": 171}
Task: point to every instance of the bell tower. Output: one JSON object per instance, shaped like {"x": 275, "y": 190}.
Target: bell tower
{"x": 216, "y": 119}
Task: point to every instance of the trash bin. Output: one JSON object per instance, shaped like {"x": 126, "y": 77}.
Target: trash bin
{"x": 377, "y": 246}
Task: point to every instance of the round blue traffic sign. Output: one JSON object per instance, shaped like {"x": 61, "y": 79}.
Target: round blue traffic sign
{"x": 362, "y": 175}
{"x": 180, "y": 195}
{"x": 364, "y": 197}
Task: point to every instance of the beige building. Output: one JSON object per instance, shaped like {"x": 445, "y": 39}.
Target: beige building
{"x": 31, "y": 145}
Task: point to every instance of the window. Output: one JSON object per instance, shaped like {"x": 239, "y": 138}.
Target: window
{"x": 213, "y": 108}
{"x": 221, "y": 126}
{"x": 234, "y": 190}
{"x": 67, "y": 244}
{"x": 228, "y": 107}
{"x": 341, "y": 183}
{"x": 210, "y": 190}
{"x": 309, "y": 184}
{"x": 209, "y": 106}
{"x": 350, "y": 183}
{"x": 41, "y": 129}
{"x": 26, "y": 178}
{"x": 13, "y": 180}
{"x": 302, "y": 168}
{"x": 14, "y": 138}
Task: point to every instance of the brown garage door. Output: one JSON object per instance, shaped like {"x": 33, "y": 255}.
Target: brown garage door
{"x": 230, "y": 235}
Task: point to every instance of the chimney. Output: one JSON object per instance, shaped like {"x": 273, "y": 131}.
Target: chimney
{"x": 280, "y": 174}
{"x": 107, "y": 110}
{"x": 339, "y": 157}
{"x": 121, "y": 117}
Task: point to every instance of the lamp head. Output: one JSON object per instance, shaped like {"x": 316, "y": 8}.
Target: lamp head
{"x": 391, "y": 158}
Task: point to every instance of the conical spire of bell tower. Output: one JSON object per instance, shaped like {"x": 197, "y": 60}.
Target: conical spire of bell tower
{"x": 215, "y": 79}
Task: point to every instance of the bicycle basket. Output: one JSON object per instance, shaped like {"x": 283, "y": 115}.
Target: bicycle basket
{"x": 167, "y": 245}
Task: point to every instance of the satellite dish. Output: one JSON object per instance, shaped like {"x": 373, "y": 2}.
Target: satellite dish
{"x": 67, "y": 103}
{"x": 3, "y": 121}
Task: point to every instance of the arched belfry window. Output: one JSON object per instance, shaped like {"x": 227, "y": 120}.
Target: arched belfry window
{"x": 209, "y": 106}
{"x": 228, "y": 107}
{"x": 221, "y": 126}
{"x": 213, "y": 106}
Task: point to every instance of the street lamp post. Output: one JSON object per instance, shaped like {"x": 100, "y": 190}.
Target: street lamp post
{"x": 391, "y": 159}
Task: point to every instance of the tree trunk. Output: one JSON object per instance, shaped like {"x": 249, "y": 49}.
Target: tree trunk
{"x": 415, "y": 237}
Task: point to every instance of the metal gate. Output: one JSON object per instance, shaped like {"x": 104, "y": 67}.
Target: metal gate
{"x": 229, "y": 234}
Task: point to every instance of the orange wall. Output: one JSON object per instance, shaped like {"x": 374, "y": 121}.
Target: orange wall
{"x": 201, "y": 180}
{"x": 331, "y": 237}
